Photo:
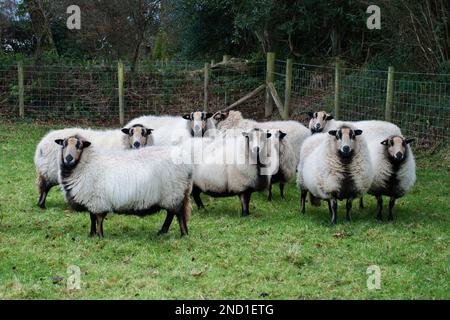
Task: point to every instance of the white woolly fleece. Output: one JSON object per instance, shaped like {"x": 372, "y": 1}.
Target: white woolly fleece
{"x": 48, "y": 152}
{"x": 406, "y": 175}
{"x": 222, "y": 166}
{"x": 322, "y": 173}
{"x": 168, "y": 130}
{"x": 369, "y": 127}
{"x": 129, "y": 180}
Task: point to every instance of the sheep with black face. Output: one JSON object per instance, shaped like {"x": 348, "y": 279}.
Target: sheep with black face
{"x": 102, "y": 182}
{"x": 233, "y": 165}
{"x": 335, "y": 166}
{"x": 170, "y": 130}
{"x": 47, "y": 152}
{"x": 295, "y": 133}
{"x": 395, "y": 170}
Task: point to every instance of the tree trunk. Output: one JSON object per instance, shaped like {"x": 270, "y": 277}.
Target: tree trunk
{"x": 41, "y": 28}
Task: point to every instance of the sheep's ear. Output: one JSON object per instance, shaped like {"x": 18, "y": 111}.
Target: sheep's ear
{"x": 310, "y": 114}
{"x": 60, "y": 141}
{"x": 408, "y": 141}
{"x": 86, "y": 144}
{"x": 268, "y": 135}
{"x": 149, "y": 131}
{"x": 187, "y": 116}
{"x": 358, "y": 132}
{"x": 209, "y": 115}
{"x": 385, "y": 142}
{"x": 126, "y": 130}
{"x": 332, "y": 133}
{"x": 282, "y": 134}
{"x": 329, "y": 117}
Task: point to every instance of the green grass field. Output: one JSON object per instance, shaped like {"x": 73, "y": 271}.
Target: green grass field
{"x": 276, "y": 253}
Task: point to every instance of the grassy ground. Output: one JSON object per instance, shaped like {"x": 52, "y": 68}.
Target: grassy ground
{"x": 275, "y": 253}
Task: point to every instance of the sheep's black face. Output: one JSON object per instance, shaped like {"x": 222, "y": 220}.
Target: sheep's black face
{"x": 318, "y": 121}
{"x": 72, "y": 148}
{"x": 138, "y": 136}
{"x": 198, "y": 122}
{"x": 257, "y": 144}
{"x": 345, "y": 140}
{"x": 220, "y": 116}
{"x": 396, "y": 148}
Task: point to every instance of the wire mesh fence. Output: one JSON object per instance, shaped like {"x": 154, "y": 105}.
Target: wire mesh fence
{"x": 421, "y": 102}
{"x": 89, "y": 94}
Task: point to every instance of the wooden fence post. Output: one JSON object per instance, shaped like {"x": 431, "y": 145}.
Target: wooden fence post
{"x": 205, "y": 87}
{"x": 287, "y": 89}
{"x": 121, "y": 92}
{"x": 270, "y": 68}
{"x": 21, "y": 89}
{"x": 337, "y": 90}
{"x": 389, "y": 95}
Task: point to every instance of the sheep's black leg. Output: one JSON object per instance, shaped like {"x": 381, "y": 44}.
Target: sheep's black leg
{"x": 245, "y": 202}
{"x": 196, "y": 194}
{"x": 93, "y": 225}
{"x": 379, "y": 208}
{"x": 349, "y": 209}
{"x": 282, "y": 191}
{"x": 391, "y": 206}
{"x": 181, "y": 217}
{"x": 100, "y": 218}
{"x": 361, "y": 203}
{"x": 303, "y": 201}
{"x": 166, "y": 225}
{"x": 44, "y": 188}
{"x": 269, "y": 198}
{"x": 329, "y": 207}
{"x": 334, "y": 208}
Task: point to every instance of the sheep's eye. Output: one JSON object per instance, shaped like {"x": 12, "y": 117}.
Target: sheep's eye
{"x": 77, "y": 145}
{"x": 132, "y": 132}
{"x": 65, "y": 143}
{"x": 315, "y": 115}
{"x": 392, "y": 143}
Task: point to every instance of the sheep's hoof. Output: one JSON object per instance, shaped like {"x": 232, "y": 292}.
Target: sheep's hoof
{"x": 161, "y": 232}
{"x": 41, "y": 205}
{"x": 245, "y": 214}
{"x": 390, "y": 219}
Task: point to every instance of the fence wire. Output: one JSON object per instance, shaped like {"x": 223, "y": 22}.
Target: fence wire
{"x": 421, "y": 104}
{"x": 88, "y": 94}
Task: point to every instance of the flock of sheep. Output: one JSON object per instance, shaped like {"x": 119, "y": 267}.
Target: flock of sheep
{"x": 158, "y": 162}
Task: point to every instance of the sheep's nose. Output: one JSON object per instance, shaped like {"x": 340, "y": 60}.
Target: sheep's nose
{"x": 318, "y": 126}
{"x": 197, "y": 128}
{"x": 69, "y": 158}
{"x": 346, "y": 149}
{"x": 137, "y": 144}
{"x": 399, "y": 155}
{"x": 256, "y": 149}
